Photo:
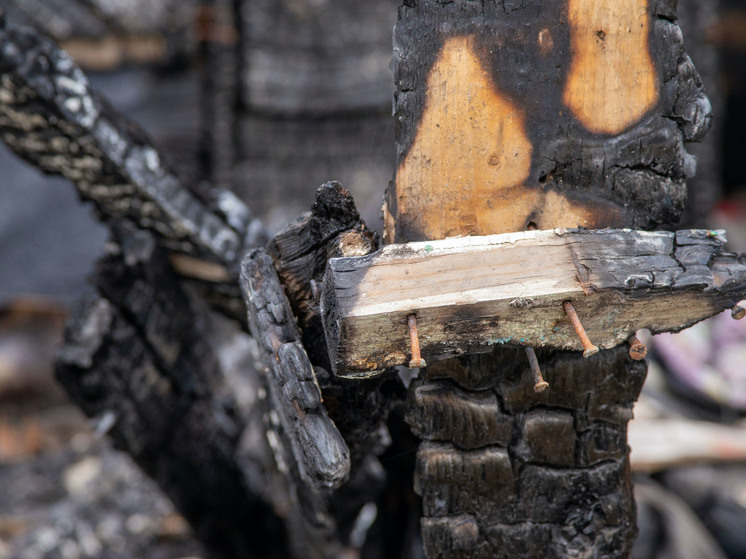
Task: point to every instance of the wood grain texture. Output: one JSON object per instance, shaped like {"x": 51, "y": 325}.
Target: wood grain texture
{"x": 567, "y": 490}
{"x": 612, "y": 79}
{"x": 471, "y": 293}
{"x": 52, "y": 118}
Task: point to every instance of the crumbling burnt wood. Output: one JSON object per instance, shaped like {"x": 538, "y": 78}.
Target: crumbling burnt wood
{"x": 301, "y": 251}
{"x": 146, "y": 335}
{"x": 514, "y": 116}
{"x": 306, "y": 443}
{"x": 142, "y": 353}
{"x": 506, "y": 472}
{"x": 472, "y": 293}
{"x": 360, "y": 410}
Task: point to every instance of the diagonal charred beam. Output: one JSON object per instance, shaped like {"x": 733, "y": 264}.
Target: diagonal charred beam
{"x": 50, "y": 116}
{"x": 472, "y": 293}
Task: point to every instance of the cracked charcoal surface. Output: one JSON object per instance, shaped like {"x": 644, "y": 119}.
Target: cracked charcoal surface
{"x": 557, "y": 484}
{"x": 143, "y": 349}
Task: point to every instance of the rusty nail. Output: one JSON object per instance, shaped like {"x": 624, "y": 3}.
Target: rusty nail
{"x": 540, "y": 385}
{"x": 589, "y": 348}
{"x": 417, "y": 362}
{"x": 738, "y": 312}
{"x": 637, "y": 349}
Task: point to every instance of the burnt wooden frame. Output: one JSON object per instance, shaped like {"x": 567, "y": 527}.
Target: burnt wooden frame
{"x": 181, "y": 412}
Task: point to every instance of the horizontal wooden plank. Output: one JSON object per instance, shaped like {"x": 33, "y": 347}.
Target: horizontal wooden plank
{"x": 473, "y": 292}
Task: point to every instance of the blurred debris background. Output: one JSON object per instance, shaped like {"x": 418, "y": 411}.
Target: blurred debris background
{"x": 270, "y": 98}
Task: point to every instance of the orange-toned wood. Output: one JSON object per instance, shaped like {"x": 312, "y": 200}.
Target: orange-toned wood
{"x": 612, "y": 79}
{"x": 467, "y": 171}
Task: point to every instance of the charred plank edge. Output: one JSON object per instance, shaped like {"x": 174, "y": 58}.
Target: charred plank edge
{"x": 50, "y": 116}
{"x": 320, "y": 452}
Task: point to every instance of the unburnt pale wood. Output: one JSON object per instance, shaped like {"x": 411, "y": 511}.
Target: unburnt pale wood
{"x": 612, "y": 81}
{"x": 474, "y": 292}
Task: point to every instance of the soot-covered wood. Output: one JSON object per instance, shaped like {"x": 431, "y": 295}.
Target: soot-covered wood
{"x": 360, "y": 409}
{"x": 307, "y": 446}
{"x": 506, "y": 472}
{"x": 50, "y": 116}
{"x": 318, "y": 450}
{"x": 475, "y": 292}
{"x": 300, "y": 252}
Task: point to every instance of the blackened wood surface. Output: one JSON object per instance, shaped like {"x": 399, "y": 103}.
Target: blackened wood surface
{"x": 307, "y": 446}
{"x": 506, "y": 472}
{"x": 536, "y": 475}
{"x": 50, "y": 117}
{"x": 474, "y": 292}
{"x": 141, "y": 351}
{"x": 302, "y": 249}
{"x": 360, "y": 409}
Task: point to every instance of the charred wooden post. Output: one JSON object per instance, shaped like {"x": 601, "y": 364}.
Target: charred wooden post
{"x": 318, "y": 450}
{"x": 359, "y": 409}
{"x": 534, "y": 115}
{"x": 307, "y": 446}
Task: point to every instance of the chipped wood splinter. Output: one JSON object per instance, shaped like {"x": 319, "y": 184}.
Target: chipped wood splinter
{"x": 540, "y": 385}
{"x": 589, "y": 348}
{"x": 637, "y": 349}
{"x": 417, "y": 362}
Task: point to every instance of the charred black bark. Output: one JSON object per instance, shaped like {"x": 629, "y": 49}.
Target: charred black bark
{"x": 142, "y": 353}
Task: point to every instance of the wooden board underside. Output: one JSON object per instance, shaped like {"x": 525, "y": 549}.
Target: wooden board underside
{"x": 473, "y": 292}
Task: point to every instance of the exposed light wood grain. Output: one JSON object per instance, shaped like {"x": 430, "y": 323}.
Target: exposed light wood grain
{"x": 612, "y": 78}
{"x": 468, "y": 169}
{"x": 471, "y": 144}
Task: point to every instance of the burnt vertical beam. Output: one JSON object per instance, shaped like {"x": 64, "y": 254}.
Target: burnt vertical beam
{"x": 534, "y": 115}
